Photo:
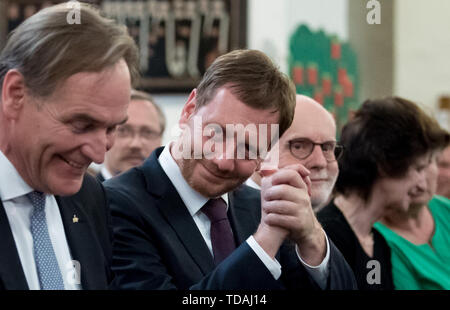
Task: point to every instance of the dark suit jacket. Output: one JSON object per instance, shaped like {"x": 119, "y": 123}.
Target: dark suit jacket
{"x": 99, "y": 177}
{"x": 158, "y": 245}
{"x": 90, "y": 240}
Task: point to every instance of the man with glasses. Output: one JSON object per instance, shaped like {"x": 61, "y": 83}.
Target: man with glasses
{"x": 310, "y": 141}
{"x": 137, "y": 138}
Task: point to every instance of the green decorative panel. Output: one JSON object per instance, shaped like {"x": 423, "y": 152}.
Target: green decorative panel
{"x": 325, "y": 68}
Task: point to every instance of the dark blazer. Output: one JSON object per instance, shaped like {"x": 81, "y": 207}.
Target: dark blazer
{"x": 157, "y": 244}
{"x": 99, "y": 177}
{"x": 89, "y": 240}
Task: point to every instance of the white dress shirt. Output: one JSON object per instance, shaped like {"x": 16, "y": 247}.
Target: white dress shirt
{"x": 252, "y": 184}
{"x": 18, "y": 208}
{"x": 194, "y": 201}
{"x": 105, "y": 173}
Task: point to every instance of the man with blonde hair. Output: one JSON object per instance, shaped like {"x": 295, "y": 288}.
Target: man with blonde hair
{"x": 183, "y": 220}
{"x": 64, "y": 89}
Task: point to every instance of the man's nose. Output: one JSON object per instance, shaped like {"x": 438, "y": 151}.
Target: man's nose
{"x": 97, "y": 145}
{"x": 224, "y": 160}
{"x": 316, "y": 159}
{"x": 135, "y": 141}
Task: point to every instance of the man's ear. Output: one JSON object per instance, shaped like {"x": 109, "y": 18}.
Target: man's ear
{"x": 13, "y": 94}
{"x": 189, "y": 107}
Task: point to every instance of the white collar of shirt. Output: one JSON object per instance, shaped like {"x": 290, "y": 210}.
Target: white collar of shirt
{"x": 252, "y": 184}
{"x": 11, "y": 183}
{"x": 18, "y": 210}
{"x": 105, "y": 173}
{"x": 193, "y": 200}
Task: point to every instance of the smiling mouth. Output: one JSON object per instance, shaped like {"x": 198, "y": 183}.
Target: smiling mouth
{"x": 216, "y": 175}
{"x": 72, "y": 163}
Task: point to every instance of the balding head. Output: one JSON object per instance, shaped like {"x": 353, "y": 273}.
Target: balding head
{"x": 311, "y": 122}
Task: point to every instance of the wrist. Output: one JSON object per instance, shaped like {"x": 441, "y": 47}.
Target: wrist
{"x": 312, "y": 249}
{"x": 270, "y": 238}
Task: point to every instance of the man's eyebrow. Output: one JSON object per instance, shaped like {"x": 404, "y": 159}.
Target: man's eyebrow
{"x": 123, "y": 121}
{"x": 82, "y": 117}
{"x": 298, "y": 138}
{"x": 87, "y": 118}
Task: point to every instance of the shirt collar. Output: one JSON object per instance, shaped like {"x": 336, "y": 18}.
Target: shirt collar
{"x": 105, "y": 173}
{"x": 11, "y": 183}
{"x": 192, "y": 199}
{"x": 252, "y": 183}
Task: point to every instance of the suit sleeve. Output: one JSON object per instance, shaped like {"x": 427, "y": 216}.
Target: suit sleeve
{"x": 341, "y": 276}
{"x": 136, "y": 263}
{"x": 295, "y": 276}
{"x": 242, "y": 270}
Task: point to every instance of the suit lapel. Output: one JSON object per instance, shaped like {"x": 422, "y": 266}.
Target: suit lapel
{"x": 83, "y": 244}
{"x": 176, "y": 214}
{"x": 11, "y": 272}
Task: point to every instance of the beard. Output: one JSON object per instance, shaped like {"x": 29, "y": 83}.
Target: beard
{"x": 225, "y": 183}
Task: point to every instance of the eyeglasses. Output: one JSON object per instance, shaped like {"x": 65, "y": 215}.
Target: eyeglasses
{"x": 301, "y": 148}
{"x": 126, "y": 132}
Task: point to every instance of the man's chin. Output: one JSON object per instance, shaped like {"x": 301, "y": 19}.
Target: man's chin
{"x": 65, "y": 187}
{"x": 211, "y": 193}
{"x": 132, "y": 162}
{"x": 213, "y": 190}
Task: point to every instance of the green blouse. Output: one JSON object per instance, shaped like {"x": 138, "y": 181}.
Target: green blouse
{"x": 425, "y": 266}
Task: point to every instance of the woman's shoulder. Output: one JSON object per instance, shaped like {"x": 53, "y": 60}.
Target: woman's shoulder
{"x": 330, "y": 213}
{"x": 333, "y": 221}
{"x": 440, "y": 205}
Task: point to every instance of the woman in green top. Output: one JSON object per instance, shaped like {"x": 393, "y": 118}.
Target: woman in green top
{"x": 420, "y": 239}
{"x": 383, "y": 168}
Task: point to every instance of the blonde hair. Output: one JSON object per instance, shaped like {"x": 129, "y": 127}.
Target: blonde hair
{"x": 47, "y": 50}
{"x": 254, "y": 79}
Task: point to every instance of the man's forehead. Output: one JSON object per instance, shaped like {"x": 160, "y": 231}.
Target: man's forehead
{"x": 233, "y": 111}
{"x": 92, "y": 79}
{"x": 142, "y": 108}
{"x": 317, "y": 129}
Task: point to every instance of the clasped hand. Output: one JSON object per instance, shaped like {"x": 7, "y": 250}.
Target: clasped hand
{"x": 287, "y": 213}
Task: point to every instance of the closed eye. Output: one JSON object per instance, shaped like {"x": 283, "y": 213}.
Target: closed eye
{"x": 81, "y": 126}
{"x": 111, "y": 130}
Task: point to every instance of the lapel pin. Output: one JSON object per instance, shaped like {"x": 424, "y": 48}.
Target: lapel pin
{"x": 75, "y": 219}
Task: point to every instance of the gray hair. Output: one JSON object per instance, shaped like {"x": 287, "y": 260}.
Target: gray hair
{"x": 47, "y": 50}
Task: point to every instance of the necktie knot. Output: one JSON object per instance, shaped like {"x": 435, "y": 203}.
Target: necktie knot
{"x": 37, "y": 200}
{"x": 215, "y": 210}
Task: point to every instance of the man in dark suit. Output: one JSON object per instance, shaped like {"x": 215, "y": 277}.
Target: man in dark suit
{"x": 63, "y": 92}
{"x": 183, "y": 219}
